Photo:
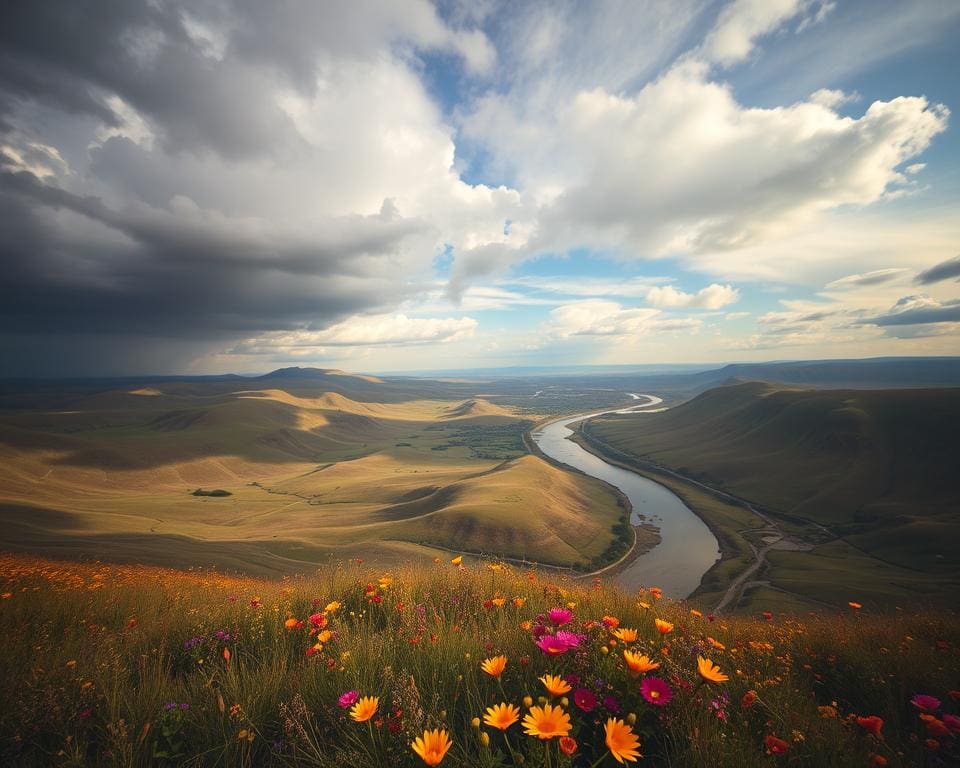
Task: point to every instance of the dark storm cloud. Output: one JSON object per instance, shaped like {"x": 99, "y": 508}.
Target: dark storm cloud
{"x": 116, "y": 250}
{"x": 945, "y": 270}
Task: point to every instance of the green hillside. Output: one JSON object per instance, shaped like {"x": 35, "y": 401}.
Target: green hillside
{"x": 876, "y": 467}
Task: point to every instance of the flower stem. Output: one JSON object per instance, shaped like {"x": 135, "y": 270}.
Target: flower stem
{"x": 601, "y": 759}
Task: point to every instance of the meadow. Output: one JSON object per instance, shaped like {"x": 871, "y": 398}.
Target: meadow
{"x": 307, "y": 474}
{"x": 119, "y": 665}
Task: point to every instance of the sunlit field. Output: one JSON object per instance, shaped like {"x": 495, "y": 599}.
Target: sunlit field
{"x": 460, "y": 663}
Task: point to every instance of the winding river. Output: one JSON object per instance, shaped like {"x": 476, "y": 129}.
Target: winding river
{"x": 687, "y": 547}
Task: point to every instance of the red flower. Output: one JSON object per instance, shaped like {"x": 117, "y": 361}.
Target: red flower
{"x": 871, "y": 724}
{"x": 775, "y": 746}
{"x": 768, "y": 616}
{"x": 568, "y": 745}
{"x": 584, "y": 699}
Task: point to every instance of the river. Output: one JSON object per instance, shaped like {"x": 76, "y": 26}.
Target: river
{"x": 687, "y": 547}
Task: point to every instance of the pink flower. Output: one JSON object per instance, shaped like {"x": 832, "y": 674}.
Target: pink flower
{"x": 585, "y": 699}
{"x": 570, "y": 638}
{"x": 348, "y": 699}
{"x": 560, "y": 616}
{"x": 925, "y": 703}
{"x": 552, "y": 645}
{"x": 952, "y": 722}
{"x": 656, "y": 691}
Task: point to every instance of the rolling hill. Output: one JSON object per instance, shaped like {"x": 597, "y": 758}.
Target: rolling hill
{"x": 876, "y": 467}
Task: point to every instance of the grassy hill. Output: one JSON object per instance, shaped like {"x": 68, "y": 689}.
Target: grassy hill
{"x": 310, "y": 472}
{"x": 876, "y": 468}
{"x": 140, "y": 666}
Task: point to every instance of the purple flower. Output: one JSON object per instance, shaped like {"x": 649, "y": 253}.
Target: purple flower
{"x": 348, "y": 699}
{"x": 184, "y": 707}
{"x": 560, "y": 616}
{"x": 656, "y": 691}
{"x": 585, "y": 699}
{"x": 573, "y": 679}
{"x": 170, "y": 706}
{"x": 539, "y": 630}
{"x": 611, "y": 703}
{"x": 926, "y": 703}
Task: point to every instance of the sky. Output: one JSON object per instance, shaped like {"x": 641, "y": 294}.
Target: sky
{"x": 216, "y": 186}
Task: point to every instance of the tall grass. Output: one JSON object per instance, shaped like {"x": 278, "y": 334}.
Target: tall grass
{"x": 137, "y": 666}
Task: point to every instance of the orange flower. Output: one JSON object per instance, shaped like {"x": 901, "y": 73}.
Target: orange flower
{"x": 855, "y": 606}
{"x": 501, "y": 716}
{"x": 877, "y": 760}
{"x": 432, "y": 746}
{"x": 612, "y": 622}
{"x": 546, "y": 722}
{"x": 457, "y": 560}
{"x": 749, "y": 699}
{"x": 366, "y": 708}
{"x": 290, "y": 623}
{"x": 656, "y": 592}
{"x": 555, "y": 685}
{"x": 710, "y": 671}
{"x": 568, "y": 745}
{"x": 499, "y": 601}
{"x": 495, "y": 666}
{"x": 621, "y": 741}
{"x": 625, "y": 635}
{"x": 519, "y": 601}
{"x": 663, "y": 627}
{"x": 871, "y": 724}
{"x": 695, "y": 612}
{"x": 639, "y": 664}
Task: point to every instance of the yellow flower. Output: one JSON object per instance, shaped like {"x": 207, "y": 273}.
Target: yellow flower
{"x": 546, "y": 722}
{"x": 621, "y": 741}
{"x": 385, "y": 581}
{"x": 332, "y": 607}
{"x": 645, "y": 606}
{"x": 432, "y": 746}
{"x": 501, "y": 716}
{"x": 626, "y": 635}
{"x": 457, "y": 560}
{"x": 324, "y": 636}
{"x": 555, "y": 685}
{"x": 365, "y": 708}
{"x": 494, "y": 666}
{"x": 639, "y": 664}
{"x": 716, "y": 644}
{"x": 663, "y": 627}
{"x": 518, "y": 602}
{"x": 710, "y": 671}
{"x": 695, "y": 612}
{"x": 499, "y": 601}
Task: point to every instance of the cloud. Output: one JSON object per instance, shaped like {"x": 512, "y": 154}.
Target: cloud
{"x": 360, "y": 331}
{"x": 713, "y": 296}
{"x": 919, "y": 310}
{"x": 742, "y": 22}
{"x": 874, "y": 277}
{"x": 600, "y": 318}
{"x": 945, "y": 270}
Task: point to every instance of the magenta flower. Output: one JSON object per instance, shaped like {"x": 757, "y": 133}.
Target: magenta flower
{"x": 572, "y": 639}
{"x": 611, "y": 703}
{"x": 348, "y": 699}
{"x": 560, "y": 616}
{"x": 552, "y": 645}
{"x": 656, "y": 691}
{"x": 585, "y": 699}
{"x": 926, "y": 703}
{"x": 952, "y": 722}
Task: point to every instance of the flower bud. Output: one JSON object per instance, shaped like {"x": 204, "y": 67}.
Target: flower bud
{"x": 527, "y": 701}
{"x": 485, "y": 739}
{"x": 632, "y": 718}
{"x": 475, "y": 723}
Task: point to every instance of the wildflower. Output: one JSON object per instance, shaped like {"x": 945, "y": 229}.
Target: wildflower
{"x": 585, "y": 699}
{"x": 6, "y": 595}
{"x": 925, "y": 703}
{"x": 72, "y": 664}
{"x": 610, "y": 622}
{"x": 768, "y": 616}
{"x": 695, "y": 613}
{"x": 932, "y": 744}
{"x": 716, "y": 644}
{"x": 560, "y": 616}
{"x": 546, "y": 722}
{"x": 645, "y": 606}
{"x": 749, "y": 699}
{"x": 710, "y": 671}
{"x": 290, "y": 623}
{"x": 518, "y": 602}
{"x": 499, "y": 601}
{"x": 555, "y": 685}
{"x": 365, "y": 708}
{"x": 318, "y": 620}
{"x": 775, "y": 746}
{"x": 621, "y": 741}
{"x": 501, "y": 716}
{"x": 625, "y": 635}
{"x": 877, "y": 760}
{"x": 335, "y": 605}
{"x": 855, "y": 606}
{"x": 656, "y": 592}
{"x": 495, "y": 666}
{"x": 552, "y": 645}
{"x": 871, "y": 724}
{"x": 663, "y": 627}
{"x": 432, "y": 746}
{"x": 348, "y": 699}
{"x": 639, "y": 664}
{"x": 457, "y": 560}
{"x": 952, "y": 722}
{"x": 568, "y": 745}
{"x": 656, "y": 691}
{"x": 611, "y": 704}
